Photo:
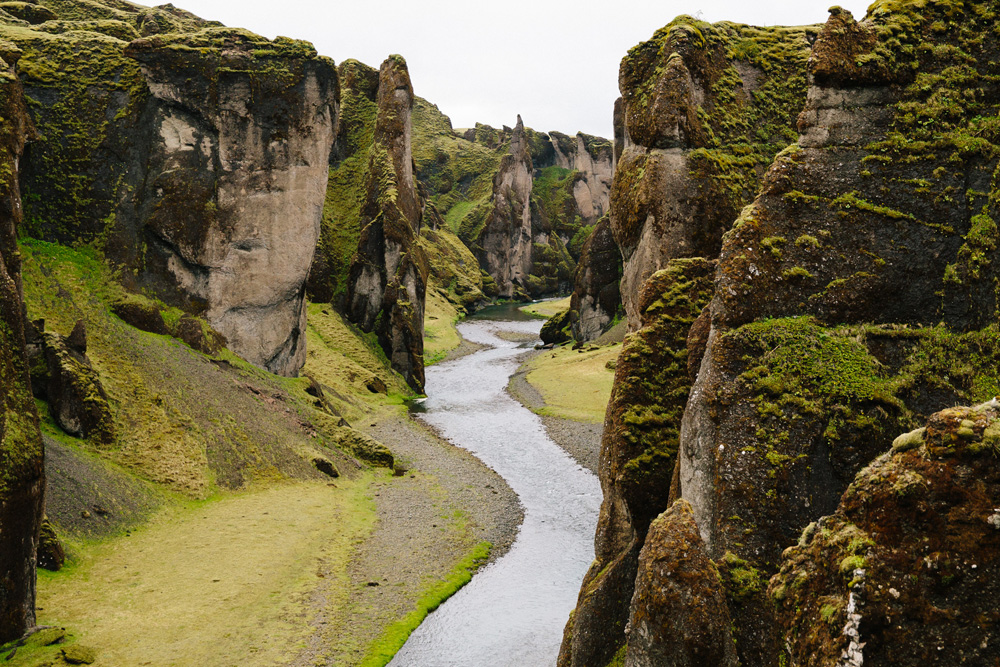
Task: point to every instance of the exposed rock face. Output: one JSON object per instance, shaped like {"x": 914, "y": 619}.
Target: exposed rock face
{"x": 21, "y": 466}
{"x": 388, "y": 277}
{"x": 593, "y": 157}
{"x": 704, "y": 110}
{"x": 505, "y": 244}
{"x": 678, "y": 616}
{"x": 596, "y": 295}
{"x": 199, "y": 157}
{"x": 236, "y": 180}
{"x": 907, "y": 571}
{"x": 638, "y": 454}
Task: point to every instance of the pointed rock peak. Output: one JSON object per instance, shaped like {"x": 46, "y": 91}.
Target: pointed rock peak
{"x": 518, "y": 143}
{"x": 393, "y": 76}
{"x": 519, "y": 128}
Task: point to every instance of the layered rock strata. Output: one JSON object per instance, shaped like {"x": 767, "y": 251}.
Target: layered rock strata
{"x": 388, "y": 277}
{"x": 21, "y": 460}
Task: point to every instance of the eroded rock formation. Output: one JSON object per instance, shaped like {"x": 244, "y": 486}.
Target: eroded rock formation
{"x": 21, "y": 465}
{"x": 388, "y": 277}
{"x": 505, "y": 243}
{"x": 704, "y": 110}
{"x": 596, "y": 292}
{"x": 852, "y": 299}
{"x": 197, "y": 157}
{"x": 237, "y": 172}
{"x": 593, "y": 157}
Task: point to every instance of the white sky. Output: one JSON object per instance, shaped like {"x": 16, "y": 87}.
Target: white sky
{"x": 555, "y": 62}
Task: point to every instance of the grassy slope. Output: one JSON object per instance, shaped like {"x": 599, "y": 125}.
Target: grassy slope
{"x": 224, "y": 451}
{"x": 576, "y": 384}
{"x": 548, "y": 308}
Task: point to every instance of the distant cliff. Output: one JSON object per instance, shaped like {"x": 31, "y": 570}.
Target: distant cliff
{"x": 851, "y": 300}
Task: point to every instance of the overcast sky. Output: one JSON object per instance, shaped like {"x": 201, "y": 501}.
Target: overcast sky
{"x": 555, "y": 62}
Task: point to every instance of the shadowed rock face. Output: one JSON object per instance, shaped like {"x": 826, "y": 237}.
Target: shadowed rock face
{"x": 505, "y": 243}
{"x": 678, "y": 616}
{"x": 388, "y": 278}
{"x": 853, "y": 298}
{"x": 638, "y": 454}
{"x": 21, "y": 466}
{"x": 237, "y": 168}
{"x": 596, "y": 296}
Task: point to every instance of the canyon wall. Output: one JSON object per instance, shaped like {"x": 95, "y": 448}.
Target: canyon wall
{"x": 197, "y": 158}
{"x": 851, "y": 300}
{"x": 22, "y": 480}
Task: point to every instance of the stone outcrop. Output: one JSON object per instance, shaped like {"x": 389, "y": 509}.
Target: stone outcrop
{"x": 236, "y": 177}
{"x": 704, "y": 110}
{"x": 62, "y": 374}
{"x": 388, "y": 276}
{"x": 852, "y": 299}
{"x": 504, "y": 246}
{"x": 22, "y": 480}
{"x": 638, "y": 454}
{"x": 906, "y": 572}
{"x": 198, "y": 157}
{"x": 678, "y": 616}
{"x": 596, "y": 296}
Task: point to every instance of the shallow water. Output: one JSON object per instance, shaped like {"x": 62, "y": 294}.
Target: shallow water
{"x": 513, "y": 611}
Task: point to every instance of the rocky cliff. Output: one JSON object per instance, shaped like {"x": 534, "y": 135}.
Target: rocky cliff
{"x": 198, "y": 157}
{"x": 596, "y": 292}
{"x": 388, "y": 276}
{"x": 503, "y": 247}
{"x": 21, "y": 467}
{"x": 804, "y": 367}
{"x": 704, "y": 110}
{"x": 593, "y": 157}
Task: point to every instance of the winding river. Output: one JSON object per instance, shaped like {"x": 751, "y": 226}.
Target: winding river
{"x": 513, "y": 611}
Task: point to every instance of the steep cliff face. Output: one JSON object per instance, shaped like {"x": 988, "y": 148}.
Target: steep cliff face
{"x": 593, "y": 157}
{"x": 21, "y": 470}
{"x": 805, "y": 368}
{"x": 638, "y": 453}
{"x": 198, "y": 157}
{"x": 388, "y": 278}
{"x": 235, "y": 182}
{"x": 504, "y": 245}
{"x": 704, "y": 110}
{"x": 596, "y": 293}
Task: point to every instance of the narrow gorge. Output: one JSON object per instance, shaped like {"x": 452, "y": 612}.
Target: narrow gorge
{"x": 288, "y": 359}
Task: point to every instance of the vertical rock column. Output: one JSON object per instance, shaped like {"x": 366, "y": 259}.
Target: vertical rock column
{"x": 388, "y": 278}
{"x": 21, "y": 465}
{"x": 228, "y": 212}
{"x": 505, "y": 243}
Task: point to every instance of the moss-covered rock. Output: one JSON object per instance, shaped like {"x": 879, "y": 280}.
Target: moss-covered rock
{"x": 596, "y": 293}
{"x": 388, "y": 279}
{"x": 905, "y": 572}
{"x": 558, "y": 328}
{"x": 21, "y": 462}
{"x": 638, "y": 453}
{"x": 678, "y": 616}
{"x": 705, "y": 107}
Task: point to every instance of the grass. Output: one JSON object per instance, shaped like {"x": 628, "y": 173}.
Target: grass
{"x": 440, "y": 334}
{"x": 227, "y": 578}
{"x": 383, "y": 650}
{"x": 575, "y": 384}
{"x": 548, "y": 307}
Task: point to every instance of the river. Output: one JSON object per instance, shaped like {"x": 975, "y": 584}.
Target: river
{"x": 513, "y": 611}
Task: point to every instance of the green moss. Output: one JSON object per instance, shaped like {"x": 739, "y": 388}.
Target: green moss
{"x": 742, "y": 580}
{"x": 384, "y": 648}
